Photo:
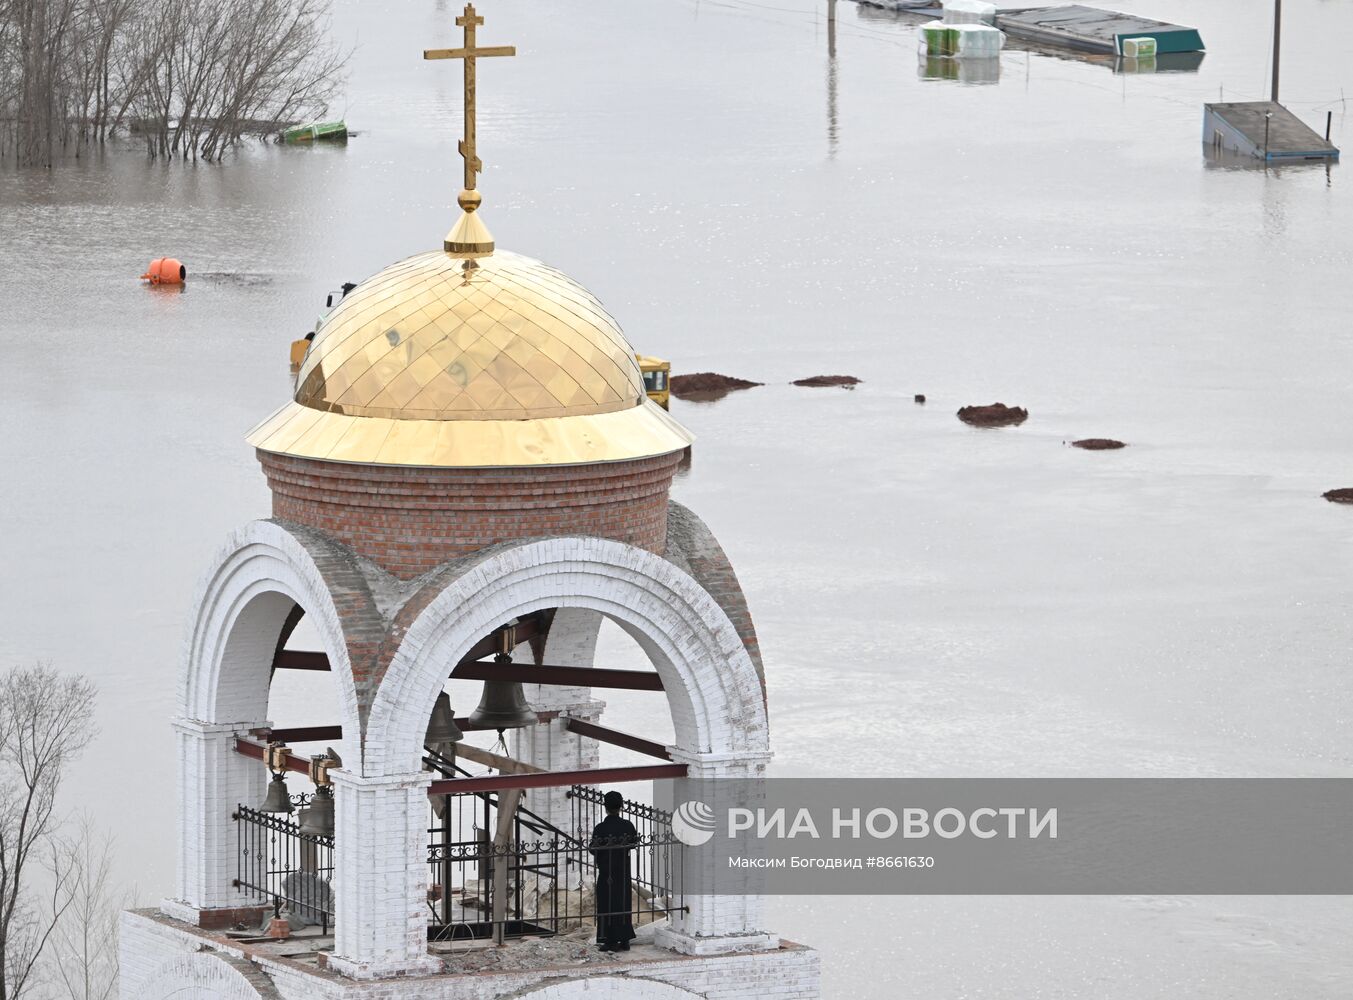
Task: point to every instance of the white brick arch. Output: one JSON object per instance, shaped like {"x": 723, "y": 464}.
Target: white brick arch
{"x": 712, "y": 687}
{"x": 240, "y": 607}
{"x": 205, "y": 976}
{"x": 605, "y": 988}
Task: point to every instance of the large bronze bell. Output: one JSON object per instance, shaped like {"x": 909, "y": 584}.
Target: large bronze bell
{"x": 278, "y": 799}
{"x": 317, "y": 819}
{"x": 503, "y": 704}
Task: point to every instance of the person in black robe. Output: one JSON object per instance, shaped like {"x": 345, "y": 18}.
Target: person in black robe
{"x": 612, "y": 840}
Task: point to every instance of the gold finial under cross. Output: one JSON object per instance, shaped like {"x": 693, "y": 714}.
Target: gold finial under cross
{"x": 469, "y": 237}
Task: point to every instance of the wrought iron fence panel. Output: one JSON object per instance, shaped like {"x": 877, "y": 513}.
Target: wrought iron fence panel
{"x": 277, "y": 864}
{"x": 547, "y": 875}
{"x": 544, "y": 877}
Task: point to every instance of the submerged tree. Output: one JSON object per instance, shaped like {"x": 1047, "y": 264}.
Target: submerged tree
{"x": 194, "y": 77}
{"x": 45, "y": 724}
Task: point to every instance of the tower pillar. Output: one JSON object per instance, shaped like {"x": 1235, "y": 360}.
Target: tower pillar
{"x": 212, "y": 781}
{"x": 718, "y": 924}
{"x": 381, "y": 876}
{"x": 551, "y": 746}
{"x": 571, "y": 642}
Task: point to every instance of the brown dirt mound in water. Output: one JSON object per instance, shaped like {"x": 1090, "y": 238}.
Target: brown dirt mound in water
{"x": 1098, "y": 444}
{"x": 707, "y": 385}
{"x": 995, "y": 415}
{"x": 1339, "y": 496}
{"x": 816, "y": 381}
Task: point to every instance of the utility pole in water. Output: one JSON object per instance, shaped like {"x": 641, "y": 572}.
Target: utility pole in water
{"x": 833, "y": 126}
{"x": 1277, "y": 44}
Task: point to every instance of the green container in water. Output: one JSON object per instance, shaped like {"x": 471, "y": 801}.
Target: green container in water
{"x": 940, "y": 39}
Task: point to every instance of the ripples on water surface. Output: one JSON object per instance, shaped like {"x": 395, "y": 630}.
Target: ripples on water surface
{"x": 931, "y": 599}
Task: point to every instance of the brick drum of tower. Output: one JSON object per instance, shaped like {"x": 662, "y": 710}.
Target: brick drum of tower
{"x": 409, "y": 520}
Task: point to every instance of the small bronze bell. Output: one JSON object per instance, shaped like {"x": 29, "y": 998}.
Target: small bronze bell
{"x": 443, "y": 734}
{"x": 317, "y": 819}
{"x": 502, "y": 705}
{"x": 278, "y": 799}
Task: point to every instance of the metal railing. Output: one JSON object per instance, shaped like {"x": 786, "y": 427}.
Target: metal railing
{"x": 279, "y": 865}
{"x": 541, "y": 880}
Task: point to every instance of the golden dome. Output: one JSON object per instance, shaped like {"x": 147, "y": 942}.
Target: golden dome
{"x": 440, "y": 361}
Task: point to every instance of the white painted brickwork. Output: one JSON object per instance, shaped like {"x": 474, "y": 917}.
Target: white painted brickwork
{"x": 551, "y": 746}
{"x": 790, "y": 973}
{"x": 240, "y": 606}
{"x": 381, "y": 875}
{"x": 713, "y": 924}
{"x": 159, "y": 962}
{"x": 571, "y": 642}
{"x": 607, "y": 989}
{"x": 238, "y": 613}
{"x": 212, "y": 781}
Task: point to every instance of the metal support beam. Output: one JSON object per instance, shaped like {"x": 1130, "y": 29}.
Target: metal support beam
{"x": 616, "y": 738}
{"x": 300, "y": 659}
{"x": 314, "y": 734}
{"x": 307, "y": 734}
{"x": 491, "y": 783}
{"x": 528, "y": 630}
{"x": 526, "y": 673}
{"x": 557, "y": 779}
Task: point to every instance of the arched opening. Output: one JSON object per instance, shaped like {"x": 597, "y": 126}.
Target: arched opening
{"x": 250, "y": 605}
{"x": 712, "y": 690}
{"x": 681, "y": 646}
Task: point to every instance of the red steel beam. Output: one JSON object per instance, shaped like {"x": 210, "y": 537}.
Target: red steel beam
{"x": 318, "y": 734}
{"x": 307, "y": 734}
{"x": 314, "y": 734}
{"x": 528, "y": 629}
{"x": 300, "y": 659}
{"x": 544, "y": 779}
{"x": 557, "y": 779}
{"x": 528, "y": 673}
{"x": 616, "y": 738}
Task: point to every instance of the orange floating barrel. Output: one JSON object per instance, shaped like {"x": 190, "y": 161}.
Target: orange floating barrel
{"x": 165, "y": 271}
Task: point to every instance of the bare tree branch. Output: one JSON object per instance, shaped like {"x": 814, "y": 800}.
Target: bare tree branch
{"x": 84, "y": 945}
{"x": 45, "y": 723}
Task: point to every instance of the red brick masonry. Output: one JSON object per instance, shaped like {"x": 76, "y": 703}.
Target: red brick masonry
{"x": 227, "y": 919}
{"x": 409, "y": 520}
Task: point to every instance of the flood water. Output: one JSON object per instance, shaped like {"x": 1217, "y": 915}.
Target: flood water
{"x": 931, "y": 599}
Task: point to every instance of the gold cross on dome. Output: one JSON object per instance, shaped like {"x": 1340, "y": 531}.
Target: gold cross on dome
{"x": 469, "y": 21}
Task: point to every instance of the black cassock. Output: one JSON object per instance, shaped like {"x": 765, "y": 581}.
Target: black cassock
{"x": 612, "y": 841}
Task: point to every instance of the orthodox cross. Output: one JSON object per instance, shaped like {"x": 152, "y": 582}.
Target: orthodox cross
{"x": 469, "y": 21}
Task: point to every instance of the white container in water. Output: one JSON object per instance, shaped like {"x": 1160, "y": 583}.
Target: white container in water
{"x": 1137, "y": 48}
{"x": 969, "y": 12}
{"x": 979, "y": 41}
